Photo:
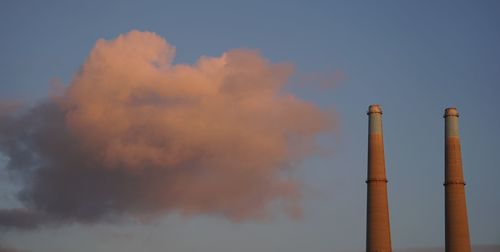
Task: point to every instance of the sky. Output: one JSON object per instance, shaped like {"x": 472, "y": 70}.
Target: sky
{"x": 329, "y": 60}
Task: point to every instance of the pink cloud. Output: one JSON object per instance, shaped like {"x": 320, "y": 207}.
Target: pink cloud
{"x": 135, "y": 134}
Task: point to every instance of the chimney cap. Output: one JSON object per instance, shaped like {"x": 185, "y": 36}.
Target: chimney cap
{"x": 450, "y": 112}
{"x": 374, "y": 108}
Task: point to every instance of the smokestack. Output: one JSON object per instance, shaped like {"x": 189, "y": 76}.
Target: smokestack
{"x": 457, "y": 227}
{"x": 378, "y": 233}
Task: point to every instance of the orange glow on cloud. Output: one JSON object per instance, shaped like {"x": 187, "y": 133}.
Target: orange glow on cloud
{"x": 149, "y": 137}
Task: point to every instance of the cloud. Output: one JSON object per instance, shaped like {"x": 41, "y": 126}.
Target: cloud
{"x": 136, "y": 135}
{"x": 8, "y": 106}
{"x": 322, "y": 81}
{"x": 20, "y": 219}
{"x": 8, "y": 249}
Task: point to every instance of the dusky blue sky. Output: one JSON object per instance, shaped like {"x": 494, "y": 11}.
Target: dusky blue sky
{"x": 415, "y": 58}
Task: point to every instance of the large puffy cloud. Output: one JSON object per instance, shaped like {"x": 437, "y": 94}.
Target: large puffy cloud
{"x": 136, "y": 135}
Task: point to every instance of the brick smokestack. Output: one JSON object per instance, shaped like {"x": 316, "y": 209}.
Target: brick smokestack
{"x": 378, "y": 233}
{"x": 456, "y": 224}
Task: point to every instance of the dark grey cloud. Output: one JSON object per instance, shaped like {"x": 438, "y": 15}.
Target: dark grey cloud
{"x": 20, "y": 219}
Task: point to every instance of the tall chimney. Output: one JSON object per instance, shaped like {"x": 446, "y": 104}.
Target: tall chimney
{"x": 378, "y": 233}
{"x": 457, "y": 227}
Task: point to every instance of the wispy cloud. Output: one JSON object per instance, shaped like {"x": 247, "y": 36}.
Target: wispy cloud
{"x": 9, "y": 249}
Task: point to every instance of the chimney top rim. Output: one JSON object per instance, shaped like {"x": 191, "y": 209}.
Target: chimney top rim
{"x": 374, "y": 108}
{"x": 451, "y": 111}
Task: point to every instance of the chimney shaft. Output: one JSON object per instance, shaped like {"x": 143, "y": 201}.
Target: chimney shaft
{"x": 456, "y": 224}
{"x": 378, "y": 234}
